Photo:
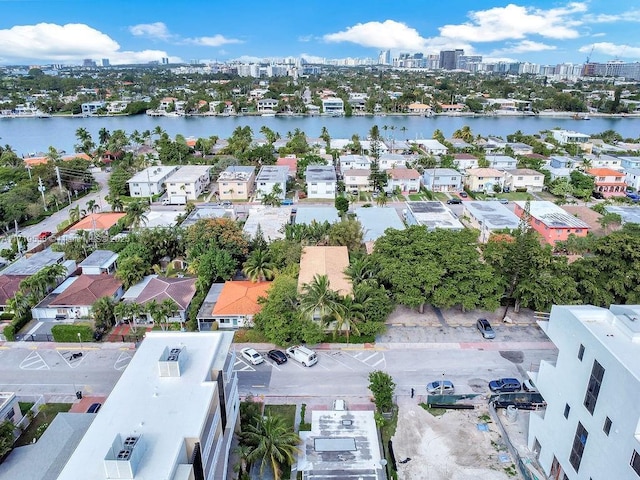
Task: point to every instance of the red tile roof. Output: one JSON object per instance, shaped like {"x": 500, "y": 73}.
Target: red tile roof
{"x": 404, "y": 173}
{"x": 290, "y": 162}
{"x": 180, "y": 290}
{"x": 9, "y": 286}
{"x": 240, "y": 298}
{"x": 98, "y": 221}
{"x": 87, "y": 289}
{"x": 605, "y": 172}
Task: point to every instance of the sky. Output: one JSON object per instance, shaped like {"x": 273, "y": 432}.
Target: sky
{"x": 139, "y": 31}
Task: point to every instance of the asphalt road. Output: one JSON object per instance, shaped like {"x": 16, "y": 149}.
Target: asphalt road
{"x": 50, "y": 224}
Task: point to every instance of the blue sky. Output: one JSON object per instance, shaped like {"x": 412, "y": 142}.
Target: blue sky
{"x": 67, "y": 31}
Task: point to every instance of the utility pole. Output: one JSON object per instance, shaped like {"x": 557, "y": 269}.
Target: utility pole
{"x": 42, "y": 189}
{"x": 58, "y": 176}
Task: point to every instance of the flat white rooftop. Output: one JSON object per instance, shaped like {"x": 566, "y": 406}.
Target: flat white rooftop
{"x": 188, "y": 174}
{"x": 271, "y": 221}
{"x": 152, "y": 174}
{"x": 162, "y": 411}
{"x": 493, "y": 215}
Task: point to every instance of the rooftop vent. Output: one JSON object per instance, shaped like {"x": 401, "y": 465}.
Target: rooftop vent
{"x": 171, "y": 361}
{"x": 123, "y": 458}
{"x": 124, "y": 454}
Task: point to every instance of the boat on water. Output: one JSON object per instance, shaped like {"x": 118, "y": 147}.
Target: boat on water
{"x": 577, "y": 116}
{"x": 268, "y": 115}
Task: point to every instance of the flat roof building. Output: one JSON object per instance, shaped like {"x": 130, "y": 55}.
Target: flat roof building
{"x": 236, "y": 182}
{"x": 589, "y": 428}
{"x": 150, "y": 181}
{"x": 375, "y": 220}
{"x": 171, "y": 415}
{"x": 431, "y": 215}
{"x": 489, "y": 216}
{"x": 269, "y": 220}
{"x": 329, "y": 261}
{"x": 34, "y": 263}
{"x": 320, "y": 214}
{"x": 206, "y": 211}
{"x": 268, "y": 177}
{"x": 628, "y": 214}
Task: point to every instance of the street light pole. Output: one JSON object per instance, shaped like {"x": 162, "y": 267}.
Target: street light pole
{"x": 80, "y": 340}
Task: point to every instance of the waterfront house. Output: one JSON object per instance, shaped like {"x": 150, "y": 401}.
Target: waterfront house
{"x": 609, "y": 182}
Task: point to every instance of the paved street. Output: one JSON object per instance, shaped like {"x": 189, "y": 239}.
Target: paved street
{"x": 50, "y": 224}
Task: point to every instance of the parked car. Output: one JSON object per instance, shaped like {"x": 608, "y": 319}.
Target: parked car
{"x": 226, "y": 203}
{"x": 94, "y": 408}
{"x": 505, "y": 385}
{"x": 463, "y": 194}
{"x": 503, "y": 201}
{"x": 44, "y": 235}
{"x": 529, "y": 386}
{"x": 484, "y": 327}
{"x": 441, "y": 387}
{"x": 339, "y": 405}
{"x": 252, "y": 356}
{"x": 277, "y": 356}
{"x": 633, "y": 196}
{"x": 597, "y": 195}
{"x": 454, "y": 201}
{"x": 287, "y": 201}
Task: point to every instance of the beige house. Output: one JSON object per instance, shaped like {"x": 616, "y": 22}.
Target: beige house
{"x": 483, "y": 179}
{"x": 418, "y": 108}
{"x": 527, "y": 178}
{"x": 405, "y": 179}
{"x": 236, "y": 183}
{"x": 357, "y": 180}
{"x": 329, "y": 261}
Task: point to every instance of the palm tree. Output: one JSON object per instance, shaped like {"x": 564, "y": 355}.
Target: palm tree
{"x": 258, "y": 267}
{"x": 53, "y": 273}
{"x": 381, "y": 201}
{"x": 103, "y": 136}
{"x": 318, "y": 298}
{"x": 92, "y": 206}
{"x": 346, "y": 317}
{"x": 242, "y": 452}
{"x": 136, "y": 216}
{"x": 74, "y": 214}
{"x": 273, "y": 443}
{"x": 117, "y": 205}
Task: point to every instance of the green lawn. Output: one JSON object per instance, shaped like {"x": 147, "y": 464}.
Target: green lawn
{"x": 416, "y": 197}
{"x": 288, "y": 412}
{"x": 44, "y": 417}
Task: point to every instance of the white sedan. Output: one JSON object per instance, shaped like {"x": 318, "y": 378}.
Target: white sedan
{"x": 252, "y": 356}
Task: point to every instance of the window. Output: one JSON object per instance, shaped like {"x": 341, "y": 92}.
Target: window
{"x": 581, "y": 352}
{"x": 579, "y": 442}
{"x": 567, "y": 409}
{"x": 607, "y": 426}
{"x": 635, "y": 462}
{"x": 593, "y": 388}
{"x": 520, "y": 179}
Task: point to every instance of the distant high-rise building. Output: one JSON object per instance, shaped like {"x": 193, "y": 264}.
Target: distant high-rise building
{"x": 105, "y": 62}
{"x": 469, "y": 62}
{"x": 449, "y": 59}
{"x": 87, "y": 62}
{"x": 165, "y": 61}
{"x": 385, "y": 57}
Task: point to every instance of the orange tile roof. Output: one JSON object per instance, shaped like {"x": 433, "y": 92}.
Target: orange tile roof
{"x": 404, "y": 173}
{"x": 605, "y": 172}
{"x": 290, "y": 162}
{"x": 98, "y": 221}
{"x": 240, "y": 298}
{"x": 87, "y": 289}
{"x": 33, "y": 161}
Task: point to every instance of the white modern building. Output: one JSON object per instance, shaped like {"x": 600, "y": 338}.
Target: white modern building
{"x": 590, "y": 428}
{"x": 431, "y": 146}
{"x": 568, "y": 136}
{"x": 187, "y": 183}
{"x": 333, "y": 106}
{"x": 268, "y": 177}
{"x": 171, "y": 415}
{"x": 321, "y": 181}
{"x": 354, "y": 162}
{"x": 150, "y": 181}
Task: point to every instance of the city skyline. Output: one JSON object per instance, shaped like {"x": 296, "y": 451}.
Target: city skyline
{"x": 67, "y": 31}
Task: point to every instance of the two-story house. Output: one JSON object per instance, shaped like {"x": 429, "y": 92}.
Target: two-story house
{"x": 524, "y": 179}
{"x": 552, "y": 222}
{"x": 321, "y": 181}
{"x": 609, "y": 182}
{"x": 442, "y": 180}
{"x": 388, "y": 161}
{"x": 333, "y": 106}
{"x": 465, "y": 161}
{"x": 267, "y": 105}
{"x": 483, "y": 179}
{"x": 187, "y": 183}
{"x": 236, "y": 182}
{"x": 354, "y": 162}
{"x": 272, "y": 179}
{"x": 356, "y": 180}
{"x": 502, "y": 162}
{"x": 150, "y": 181}
{"x": 406, "y": 180}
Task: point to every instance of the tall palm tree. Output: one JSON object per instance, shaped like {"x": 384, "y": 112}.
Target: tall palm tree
{"x": 318, "y": 299}
{"x": 117, "y": 205}
{"x": 74, "y": 214}
{"x": 346, "y": 317}
{"x": 136, "y": 216}
{"x": 273, "y": 443}
{"x": 92, "y": 206}
{"x": 258, "y": 267}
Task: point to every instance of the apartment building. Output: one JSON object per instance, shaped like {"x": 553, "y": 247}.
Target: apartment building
{"x": 236, "y": 183}
{"x": 171, "y": 415}
{"x": 187, "y": 183}
{"x": 321, "y": 181}
{"x": 150, "y": 181}
{"x": 589, "y": 429}
{"x": 270, "y": 179}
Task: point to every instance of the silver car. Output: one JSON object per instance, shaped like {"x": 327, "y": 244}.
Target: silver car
{"x": 441, "y": 387}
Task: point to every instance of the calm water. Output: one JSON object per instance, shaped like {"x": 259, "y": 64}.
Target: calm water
{"x": 28, "y": 135}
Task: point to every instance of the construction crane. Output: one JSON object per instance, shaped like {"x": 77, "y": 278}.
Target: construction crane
{"x": 590, "y": 53}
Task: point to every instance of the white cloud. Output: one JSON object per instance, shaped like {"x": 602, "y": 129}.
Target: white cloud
{"x": 305, "y": 38}
{"x": 67, "y": 43}
{"x": 629, "y": 16}
{"x": 516, "y": 22}
{"x": 215, "y": 41}
{"x": 388, "y": 34}
{"x": 152, "y": 30}
{"x": 159, "y": 31}
{"x": 524, "y": 46}
{"x": 601, "y": 34}
{"x": 608, "y": 48}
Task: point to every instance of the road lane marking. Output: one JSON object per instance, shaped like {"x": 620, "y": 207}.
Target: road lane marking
{"x": 34, "y": 361}
{"x": 122, "y": 361}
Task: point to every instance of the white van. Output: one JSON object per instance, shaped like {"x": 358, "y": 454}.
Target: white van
{"x": 303, "y": 355}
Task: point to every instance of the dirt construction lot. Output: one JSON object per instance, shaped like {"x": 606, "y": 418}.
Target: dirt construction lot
{"x": 450, "y": 446}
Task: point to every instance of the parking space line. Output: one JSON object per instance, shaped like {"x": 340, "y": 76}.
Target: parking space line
{"x": 72, "y": 359}
{"x": 273, "y": 364}
{"x": 34, "y": 361}
{"x": 378, "y": 362}
{"x": 332, "y": 357}
{"x": 246, "y": 368}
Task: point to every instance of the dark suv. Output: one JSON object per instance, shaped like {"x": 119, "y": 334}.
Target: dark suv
{"x": 454, "y": 201}
{"x": 505, "y": 385}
